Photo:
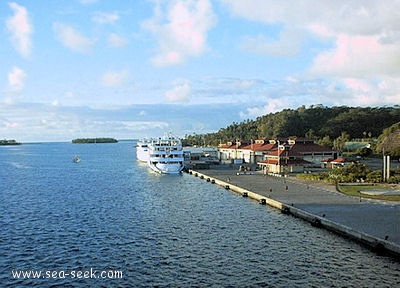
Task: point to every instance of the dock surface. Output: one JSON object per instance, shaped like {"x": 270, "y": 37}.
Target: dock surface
{"x": 373, "y": 222}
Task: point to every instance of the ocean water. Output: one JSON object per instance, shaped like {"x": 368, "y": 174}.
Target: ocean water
{"x": 110, "y": 213}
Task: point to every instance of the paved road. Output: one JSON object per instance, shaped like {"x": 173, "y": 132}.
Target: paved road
{"x": 380, "y": 219}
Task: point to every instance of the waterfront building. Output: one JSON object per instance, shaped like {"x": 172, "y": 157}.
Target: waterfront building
{"x": 284, "y": 155}
{"x": 240, "y": 151}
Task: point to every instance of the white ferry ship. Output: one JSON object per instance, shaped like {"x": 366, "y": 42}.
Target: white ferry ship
{"x": 142, "y": 150}
{"x": 163, "y": 155}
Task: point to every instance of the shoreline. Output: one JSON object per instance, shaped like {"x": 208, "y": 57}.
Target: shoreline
{"x": 373, "y": 223}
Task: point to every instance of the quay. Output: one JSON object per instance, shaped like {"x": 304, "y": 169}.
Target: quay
{"x": 373, "y": 223}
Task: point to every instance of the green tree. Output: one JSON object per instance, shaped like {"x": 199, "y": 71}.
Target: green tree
{"x": 389, "y": 141}
{"x": 341, "y": 140}
{"x": 326, "y": 142}
{"x": 364, "y": 152}
{"x": 350, "y": 173}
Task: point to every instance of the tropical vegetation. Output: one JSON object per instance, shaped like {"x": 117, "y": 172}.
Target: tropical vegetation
{"x": 329, "y": 126}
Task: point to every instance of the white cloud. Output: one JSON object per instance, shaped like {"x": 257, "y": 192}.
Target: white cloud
{"x": 273, "y": 105}
{"x": 366, "y": 92}
{"x": 287, "y": 45}
{"x": 16, "y": 79}
{"x": 228, "y": 90}
{"x": 71, "y": 38}
{"x": 366, "y": 33}
{"x": 105, "y": 18}
{"x": 20, "y": 29}
{"x": 181, "y": 31}
{"x": 116, "y": 41}
{"x": 245, "y": 84}
{"x": 360, "y": 44}
{"x": 114, "y": 79}
{"x": 358, "y": 56}
{"x": 180, "y": 93}
{"x": 55, "y": 102}
{"x": 354, "y": 17}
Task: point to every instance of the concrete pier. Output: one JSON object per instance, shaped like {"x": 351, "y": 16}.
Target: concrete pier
{"x": 373, "y": 223}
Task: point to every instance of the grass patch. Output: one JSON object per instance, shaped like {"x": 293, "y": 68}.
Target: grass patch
{"x": 354, "y": 190}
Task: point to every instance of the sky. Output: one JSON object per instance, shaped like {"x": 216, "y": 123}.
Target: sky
{"x": 139, "y": 68}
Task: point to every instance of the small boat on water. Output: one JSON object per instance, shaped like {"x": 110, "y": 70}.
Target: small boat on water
{"x": 163, "y": 155}
{"x": 76, "y": 159}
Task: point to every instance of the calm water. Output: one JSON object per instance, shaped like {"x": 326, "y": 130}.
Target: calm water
{"x": 109, "y": 212}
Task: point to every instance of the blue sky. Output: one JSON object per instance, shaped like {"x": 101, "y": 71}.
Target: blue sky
{"x": 137, "y": 68}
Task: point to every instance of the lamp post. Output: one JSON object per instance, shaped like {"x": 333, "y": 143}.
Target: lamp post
{"x": 279, "y": 162}
{"x": 386, "y": 167}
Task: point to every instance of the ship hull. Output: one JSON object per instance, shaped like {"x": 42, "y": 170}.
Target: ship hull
{"x": 166, "y": 168}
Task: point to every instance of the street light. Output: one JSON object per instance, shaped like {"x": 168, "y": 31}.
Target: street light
{"x": 279, "y": 162}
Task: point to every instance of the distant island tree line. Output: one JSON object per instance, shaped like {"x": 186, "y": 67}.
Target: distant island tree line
{"x": 9, "y": 142}
{"x": 328, "y": 126}
{"x": 93, "y": 140}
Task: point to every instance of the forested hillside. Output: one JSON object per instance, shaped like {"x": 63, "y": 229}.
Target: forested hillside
{"x": 321, "y": 123}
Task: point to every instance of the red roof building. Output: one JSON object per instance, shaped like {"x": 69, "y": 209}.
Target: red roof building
{"x": 338, "y": 162}
{"x": 277, "y": 155}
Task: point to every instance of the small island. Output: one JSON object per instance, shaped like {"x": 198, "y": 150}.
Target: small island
{"x": 9, "y": 142}
{"x": 93, "y": 140}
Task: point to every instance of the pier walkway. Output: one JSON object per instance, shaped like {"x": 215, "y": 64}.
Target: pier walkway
{"x": 375, "y": 223}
